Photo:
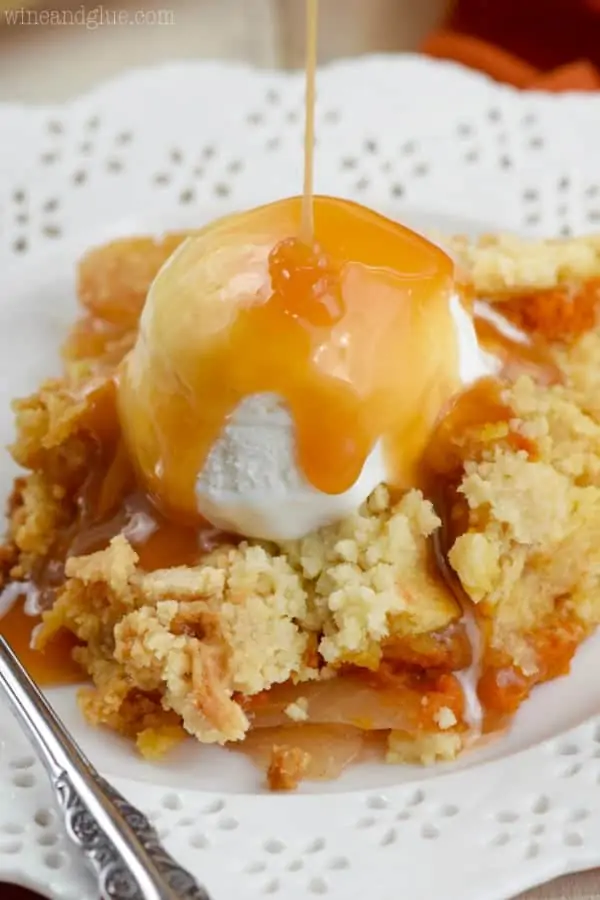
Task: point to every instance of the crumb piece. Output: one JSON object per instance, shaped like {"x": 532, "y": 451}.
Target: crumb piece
{"x": 191, "y": 674}
{"x": 196, "y": 636}
{"x": 113, "y": 280}
{"x": 444, "y": 718}
{"x": 477, "y": 557}
{"x": 425, "y": 749}
{"x": 287, "y": 768}
{"x": 369, "y": 578}
{"x": 98, "y": 592}
{"x": 55, "y": 440}
{"x": 529, "y": 498}
{"x": 581, "y": 365}
{"x": 9, "y": 555}
{"x": 40, "y": 512}
{"x": 504, "y": 264}
{"x": 54, "y": 427}
{"x": 114, "y": 568}
{"x": 298, "y": 711}
{"x": 530, "y": 557}
{"x": 113, "y": 703}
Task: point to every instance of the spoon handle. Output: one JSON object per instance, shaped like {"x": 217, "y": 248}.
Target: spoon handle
{"x": 117, "y": 839}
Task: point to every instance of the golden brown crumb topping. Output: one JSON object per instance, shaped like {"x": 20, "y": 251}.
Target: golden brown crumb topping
{"x": 287, "y": 768}
{"x": 503, "y": 264}
{"x": 195, "y": 648}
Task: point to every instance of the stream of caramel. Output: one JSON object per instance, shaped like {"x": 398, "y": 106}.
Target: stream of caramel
{"x": 307, "y": 228}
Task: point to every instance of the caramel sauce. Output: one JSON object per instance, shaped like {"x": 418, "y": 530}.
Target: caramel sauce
{"x": 307, "y": 224}
{"x": 158, "y": 541}
{"x": 477, "y": 416}
{"x": 446, "y": 650}
{"x": 493, "y": 688}
{"x": 529, "y": 355}
{"x": 481, "y": 406}
{"x": 354, "y": 333}
{"x": 559, "y": 314}
{"x": 503, "y": 686}
{"x": 51, "y": 667}
{"x": 108, "y": 504}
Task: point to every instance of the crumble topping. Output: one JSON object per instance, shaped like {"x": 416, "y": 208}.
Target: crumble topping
{"x": 113, "y": 280}
{"x": 185, "y": 649}
{"x": 425, "y": 749}
{"x": 247, "y": 618}
{"x": 287, "y": 768}
{"x": 530, "y": 555}
{"x": 298, "y": 711}
{"x": 196, "y": 635}
{"x": 445, "y": 718}
{"x": 504, "y": 263}
{"x": 369, "y": 579}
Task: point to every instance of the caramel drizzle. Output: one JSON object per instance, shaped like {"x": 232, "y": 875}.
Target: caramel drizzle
{"x": 307, "y": 227}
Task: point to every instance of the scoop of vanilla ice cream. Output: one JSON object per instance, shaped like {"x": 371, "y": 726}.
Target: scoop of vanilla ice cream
{"x": 204, "y": 440}
{"x": 251, "y": 483}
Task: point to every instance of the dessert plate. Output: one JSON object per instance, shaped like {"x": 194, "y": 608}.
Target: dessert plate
{"x": 439, "y": 147}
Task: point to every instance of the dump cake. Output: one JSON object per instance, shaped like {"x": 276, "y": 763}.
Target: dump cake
{"x": 418, "y": 546}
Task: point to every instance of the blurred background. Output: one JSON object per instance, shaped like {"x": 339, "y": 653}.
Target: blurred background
{"x": 44, "y": 59}
{"x": 51, "y": 52}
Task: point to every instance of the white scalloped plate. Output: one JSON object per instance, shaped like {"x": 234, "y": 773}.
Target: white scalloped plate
{"x": 435, "y": 145}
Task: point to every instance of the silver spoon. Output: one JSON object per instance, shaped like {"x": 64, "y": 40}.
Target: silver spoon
{"x": 116, "y": 838}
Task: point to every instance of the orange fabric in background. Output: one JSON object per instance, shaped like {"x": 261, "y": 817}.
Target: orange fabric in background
{"x": 542, "y": 44}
